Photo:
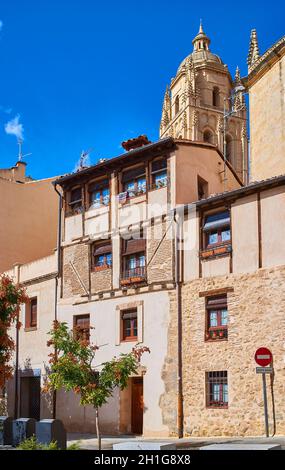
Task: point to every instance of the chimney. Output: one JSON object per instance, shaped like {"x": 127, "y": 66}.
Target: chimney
{"x": 135, "y": 143}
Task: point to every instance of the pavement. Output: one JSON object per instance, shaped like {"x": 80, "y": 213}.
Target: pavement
{"x": 89, "y": 441}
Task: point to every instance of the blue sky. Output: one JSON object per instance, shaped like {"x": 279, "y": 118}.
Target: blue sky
{"x": 93, "y": 73}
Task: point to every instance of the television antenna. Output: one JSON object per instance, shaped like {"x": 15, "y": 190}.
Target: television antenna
{"x": 20, "y": 153}
{"x": 83, "y": 159}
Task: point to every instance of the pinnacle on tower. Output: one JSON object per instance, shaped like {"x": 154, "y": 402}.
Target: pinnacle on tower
{"x": 237, "y": 76}
{"x": 253, "y": 53}
{"x": 201, "y": 40}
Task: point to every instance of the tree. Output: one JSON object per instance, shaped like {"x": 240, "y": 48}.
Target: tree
{"x": 11, "y": 297}
{"x": 72, "y": 369}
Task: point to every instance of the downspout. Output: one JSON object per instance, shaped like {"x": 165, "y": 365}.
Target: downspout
{"x": 180, "y": 412}
{"x": 16, "y": 396}
{"x": 57, "y": 275}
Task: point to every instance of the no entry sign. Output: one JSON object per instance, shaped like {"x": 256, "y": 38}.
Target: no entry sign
{"x": 263, "y": 357}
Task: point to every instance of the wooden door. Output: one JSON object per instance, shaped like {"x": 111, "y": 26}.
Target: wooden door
{"x": 137, "y": 405}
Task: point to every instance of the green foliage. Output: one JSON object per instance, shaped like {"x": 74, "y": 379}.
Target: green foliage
{"x": 74, "y": 446}
{"x": 71, "y": 367}
{"x": 32, "y": 444}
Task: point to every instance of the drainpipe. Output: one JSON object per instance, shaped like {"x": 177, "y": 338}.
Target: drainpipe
{"x": 16, "y": 396}
{"x": 57, "y": 275}
{"x": 178, "y": 238}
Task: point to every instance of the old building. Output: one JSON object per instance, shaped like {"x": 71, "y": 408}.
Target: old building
{"x": 233, "y": 302}
{"x": 266, "y": 88}
{"x": 164, "y": 246}
{"x": 198, "y": 99}
{"x": 29, "y": 217}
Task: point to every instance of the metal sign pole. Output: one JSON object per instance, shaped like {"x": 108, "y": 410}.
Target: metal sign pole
{"x": 265, "y": 404}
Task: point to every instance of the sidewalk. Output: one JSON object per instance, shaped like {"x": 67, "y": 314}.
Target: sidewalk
{"x": 89, "y": 441}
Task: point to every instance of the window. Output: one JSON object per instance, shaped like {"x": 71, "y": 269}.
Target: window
{"x": 133, "y": 260}
{"x": 177, "y": 104}
{"x": 159, "y": 173}
{"x": 216, "y": 317}
{"x": 75, "y": 201}
{"x": 99, "y": 194}
{"x": 101, "y": 255}
{"x": 217, "y": 389}
{"x": 202, "y": 188}
{"x": 208, "y": 137}
{"x": 81, "y": 326}
{"x": 31, "y": 313}
{"x": 217, "y": 229}
{"x": 134, "y": 181}
{"x": 216, "y": 97}
{"x": 129, "y": 325}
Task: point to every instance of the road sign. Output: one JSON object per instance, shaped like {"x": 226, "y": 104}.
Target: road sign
{"x": 264, "y": 370}
{"x": 263, "y": 357}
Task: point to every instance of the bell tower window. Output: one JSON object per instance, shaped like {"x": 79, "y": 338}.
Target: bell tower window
{"x": 177, "y": 104}
{"x": 216, "y": 97}
{"x": 208, "y": 137}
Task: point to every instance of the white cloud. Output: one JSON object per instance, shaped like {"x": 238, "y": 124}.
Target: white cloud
{"x": 14, "y": 127}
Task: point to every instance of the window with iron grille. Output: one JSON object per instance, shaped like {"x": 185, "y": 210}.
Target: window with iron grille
{"x": 129, "y": 325}
{"x": 31, "y": 313}
{"x": 217, "y": 389}
{"x": 101, "y": 255}
{"x": 81, "y": 325}
{"x": 159, "y": 173}
{"x": 217, "y": 229}
{"x": 216, "y": 317}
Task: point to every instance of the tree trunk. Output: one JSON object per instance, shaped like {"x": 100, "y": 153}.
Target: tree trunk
{"x": 97, "y": 428}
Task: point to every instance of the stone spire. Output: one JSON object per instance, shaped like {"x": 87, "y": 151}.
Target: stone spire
{"x": 201, "y": 42}
{"x": 166, "y": 109}
{"x": 253, "y": 53}
{"x": 237, "y": 76}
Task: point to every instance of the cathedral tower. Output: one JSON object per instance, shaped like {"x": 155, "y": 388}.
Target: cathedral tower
{"x": 194, "y": 104}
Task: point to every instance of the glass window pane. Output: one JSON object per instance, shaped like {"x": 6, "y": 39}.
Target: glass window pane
{"x": 225, "y": 393}
{"x": 213, "y": 318}
{"x": 216, "y": 392}
{"x": 106, "y": 196}
{"x": 109, "y": 259}
{"x": 226, "y": 235}
{"x": 224, "y": 317}
{"x": 132, "y": 262}
{"x": 161, "y": 179}
{"x": 95, "y": 198}
{"x": 142, "y": 260}
{"x": 142, "y": 184}
{"x": 100, "y": 260}
{"x": 213, "y": 238}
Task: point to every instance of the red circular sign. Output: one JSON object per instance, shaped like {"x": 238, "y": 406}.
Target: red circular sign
{"x": 263, "y": 357}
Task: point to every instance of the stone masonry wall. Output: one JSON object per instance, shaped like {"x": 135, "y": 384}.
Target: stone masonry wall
{"x": 101, "y": 280}
{"x": 256, "y": 309}
{"x": 160, "y": 263}
{"x": 78, "y": 256}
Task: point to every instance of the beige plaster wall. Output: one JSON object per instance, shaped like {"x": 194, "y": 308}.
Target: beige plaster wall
{"x": 29, "y": 221}
{"x": 267, "y": 123}
{"x": 155, "y": 323}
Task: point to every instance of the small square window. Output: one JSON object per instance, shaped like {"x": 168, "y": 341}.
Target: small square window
{"x": 129, "y": 325}
{"x": 216, "y": 229}
{"x": 217, "y": 389}
{"x": 216, "y": 318}
{"x": 31, "y": 313}
{"x": 81, "y": 324}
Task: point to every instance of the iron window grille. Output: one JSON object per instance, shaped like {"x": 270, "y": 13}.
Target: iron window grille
{"x": 217, "y": 389}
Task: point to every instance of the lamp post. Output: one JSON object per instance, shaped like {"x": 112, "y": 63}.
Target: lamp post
{"x": 226, "y": 115}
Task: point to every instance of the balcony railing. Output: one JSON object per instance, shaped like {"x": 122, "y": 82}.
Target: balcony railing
{"x": 133, "y": 276}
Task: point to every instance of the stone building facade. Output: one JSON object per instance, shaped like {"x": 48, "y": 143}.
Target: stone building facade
{"x": 198, "y": 100}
